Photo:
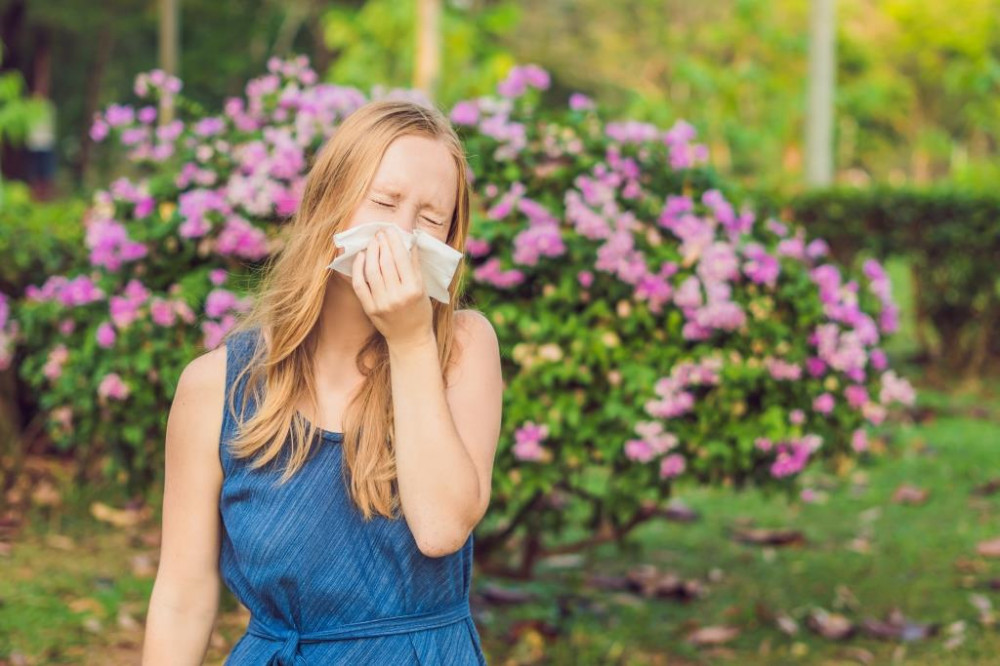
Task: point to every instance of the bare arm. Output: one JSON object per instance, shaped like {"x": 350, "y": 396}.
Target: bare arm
{"x": 446, "y": 437}
{"x": 185, "y": 597}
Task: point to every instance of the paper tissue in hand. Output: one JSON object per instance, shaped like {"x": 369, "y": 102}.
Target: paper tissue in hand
{"x": 438, "y": 261}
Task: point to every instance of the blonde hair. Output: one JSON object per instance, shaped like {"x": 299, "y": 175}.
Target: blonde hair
{"x": 288, "y": 305}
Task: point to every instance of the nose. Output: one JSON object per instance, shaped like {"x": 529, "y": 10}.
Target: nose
{"x": 404, "y": 221}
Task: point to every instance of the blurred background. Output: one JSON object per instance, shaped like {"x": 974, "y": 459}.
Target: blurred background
{"x": 150, "y": 152}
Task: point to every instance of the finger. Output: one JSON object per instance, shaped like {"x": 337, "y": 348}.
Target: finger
{"x": 388, "y": 259}
{"x": 359, "y": 283}
{"x": 373, "y": 274}
{"x": 415, "y": 267}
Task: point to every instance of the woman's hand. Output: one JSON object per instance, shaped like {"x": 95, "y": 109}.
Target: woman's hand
{"x": 390, "y": 285}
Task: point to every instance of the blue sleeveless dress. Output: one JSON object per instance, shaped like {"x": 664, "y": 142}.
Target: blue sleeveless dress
{"x": 322, "y": 585}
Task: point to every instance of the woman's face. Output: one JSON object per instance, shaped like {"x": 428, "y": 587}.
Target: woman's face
{"x": 414, "y": 188}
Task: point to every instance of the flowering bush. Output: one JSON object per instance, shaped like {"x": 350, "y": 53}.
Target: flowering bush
{"x": 652, "y": 332}
{"x": 657, "y": 333}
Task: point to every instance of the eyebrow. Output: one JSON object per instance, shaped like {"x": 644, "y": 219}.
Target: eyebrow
{"x": 393, "y": 193}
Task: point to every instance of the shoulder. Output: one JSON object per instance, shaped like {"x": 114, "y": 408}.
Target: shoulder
{"x": 204, "y": 375}
{"x": 473, "y": 323}
{"x": 474, "y": 330}
{"x": 477, "y": 346}
{"x": 199, "y": 398}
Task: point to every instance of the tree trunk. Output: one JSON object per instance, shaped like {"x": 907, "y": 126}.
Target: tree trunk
{"x": 104, "y": 40}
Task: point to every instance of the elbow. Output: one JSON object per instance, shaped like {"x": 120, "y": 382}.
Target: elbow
{"x": 443, "y": 543}
{"x": 452, "y": 538}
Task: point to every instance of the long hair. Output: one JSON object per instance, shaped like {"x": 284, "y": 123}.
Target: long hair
{"x": 286, "y": 311}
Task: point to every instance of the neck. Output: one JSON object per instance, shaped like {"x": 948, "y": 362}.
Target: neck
{"x": 343, "y": 324}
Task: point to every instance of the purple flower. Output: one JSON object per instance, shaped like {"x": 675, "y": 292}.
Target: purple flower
{"x": 491, "y": 273}
{"x": 528, "y": 439}
{"x": 542, "y": 240}
{"x": 815, "y": 366}
{"x": 465, "y": 113}
{"x": 896, "y": 389}
{"x": 857, "y": 395}
{"x": 54, "y": 362}
{"x": 859, "y": 440}
{"x": 98, "y": 130}
{"x": 113, "y": 387}
{"x": 476, "y": 247}
{"x": 519, "y": 79}
{"x": 638, "y": 450}
{"x": 781, "y": 369}
{"x": 106, "y": 335}
{"x": 672, "y": 465}
{"x": 579, "y": 102}
{"x": 824, "y": 403}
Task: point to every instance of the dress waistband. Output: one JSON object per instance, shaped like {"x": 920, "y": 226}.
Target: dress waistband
{"x": 289, "y": 655}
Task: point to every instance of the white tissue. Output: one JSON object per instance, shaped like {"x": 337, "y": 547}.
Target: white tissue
{"x": 438, "y": 261}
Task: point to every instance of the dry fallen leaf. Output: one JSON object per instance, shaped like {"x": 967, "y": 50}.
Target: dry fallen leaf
{"x": 989, "y": 488}
{"x": 60, "y": 542}
{"x": 858, "y": 654}
{"x": 713, "y": 635}
{"x": 85, "y": 604}
{"x": 829, "y": 625}
{"x": 495, "y": 594}
{"x": 989, "y": 548}
{"x": 908, "y": 494}
{"x": 46, "y": 494}
{"x": 897, "y": 627}
{"x": 143, "y": 565}
{"x": 775, "y": 537}
{"x": 120, "y": 517}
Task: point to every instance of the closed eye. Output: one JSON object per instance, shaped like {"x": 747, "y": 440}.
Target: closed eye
{"x": 387, "y": 205}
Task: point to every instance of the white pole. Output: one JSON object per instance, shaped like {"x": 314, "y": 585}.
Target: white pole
{"x": 428, "y": 69}
{"x": 819, "y": 110}
{"x": 169, "y": 40}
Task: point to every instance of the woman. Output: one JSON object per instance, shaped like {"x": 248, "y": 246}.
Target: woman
{"x": 330, "y": 461}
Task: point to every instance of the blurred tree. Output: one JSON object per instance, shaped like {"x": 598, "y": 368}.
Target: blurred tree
{"x": 917, "y": 82}
{"x": 16, "y": 110}
{"x": 376, "y": 44}
{"x": 96, "y": 52}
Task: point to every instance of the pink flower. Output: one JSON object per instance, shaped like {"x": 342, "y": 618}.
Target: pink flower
{"x": 856, "y": 395}
{"x": 106, "y": 335}
{"x": 672, "y": 465}
{"x": 896, "y": 389}
{"x": 859, "y": 440}
{"x": 54, "y": 363}
{"x": 638, "y": 450}
{"x": 162, "y": 312}
{"x": 528, "y": 439}
{"x": 815, "y": 366}
{"x": 465, "y": 113}
{"x": 579, "y": 102}
{"x": 113, "y": 387}
{"x": 824, "y": 403}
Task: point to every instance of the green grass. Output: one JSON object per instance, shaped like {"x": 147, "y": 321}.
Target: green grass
{"x": 911, "y": 565}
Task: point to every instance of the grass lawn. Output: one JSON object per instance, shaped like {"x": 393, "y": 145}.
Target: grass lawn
{"x": 74, "y": 590}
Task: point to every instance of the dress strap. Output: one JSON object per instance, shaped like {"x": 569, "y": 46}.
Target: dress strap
{"x": 239, "y": 350}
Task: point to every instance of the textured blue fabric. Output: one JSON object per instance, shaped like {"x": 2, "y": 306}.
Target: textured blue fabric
{"x": 322, "y": 585}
